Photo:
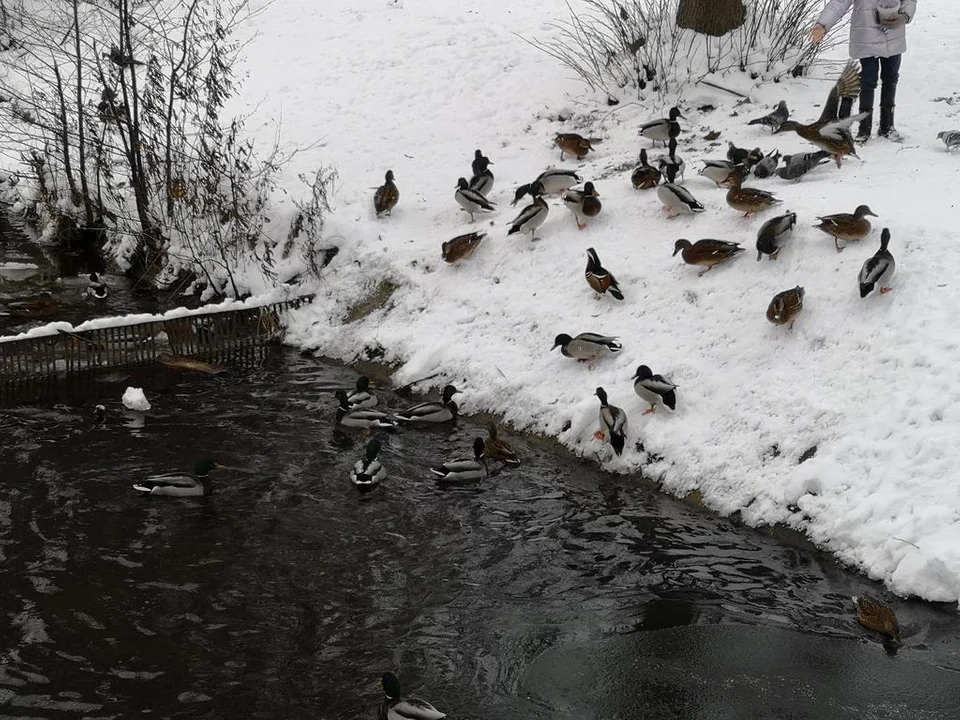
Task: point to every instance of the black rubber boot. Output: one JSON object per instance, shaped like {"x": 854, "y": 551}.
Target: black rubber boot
{"x": 846, "y": 104}
{"x": 886, "y": 129}
{"x": 866, "y": 127}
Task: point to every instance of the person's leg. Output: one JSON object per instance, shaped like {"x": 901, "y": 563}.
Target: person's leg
{"x": 889, "y": 75}
{"x": 869, "y": 72}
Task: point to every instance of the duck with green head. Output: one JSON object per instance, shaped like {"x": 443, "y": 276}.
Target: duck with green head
{"x": 367, "y": 472}
{"x": 180, "y": 484}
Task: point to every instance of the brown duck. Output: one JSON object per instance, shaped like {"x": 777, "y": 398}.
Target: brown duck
{"x": 876, "y": 615}
{"x": 747, "y": 200}
{"x": 706, "y": 253}
{"x": 387, "y": 195}
{"x": 830, "y": 132}
{"x": 461, "y": 247}
{"x": 847, "y": 226}
{"x": 497, "y": 449}
{"x": 646, "y": 176}
{"x": 785, "y": 307}
{"x": 601, "y": 280}
{"x": 574, "y": 144}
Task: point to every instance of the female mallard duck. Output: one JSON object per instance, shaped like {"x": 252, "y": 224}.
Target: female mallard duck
{"x": 97, "y": 289}
{"x": 574, "y": 144}
{"x": 747, "y": 200}
{"x": 471, "y": 200}
{"x": 600, "y": 279}
{"x": 461, "y": 247}
{"x": 482, "y": 181}
{"x": 773, "y": 235}
{"x": 497, "y": 449}
{"x": 587, "y": 347}
{"x": 846, "y": 227}
{"x": 361, "y": 418}
{"x": 876, "y": 615}
{"x": 386, "y": 196}
{"x": 551, "y": 182}
{"x": 367, "y": 472}
{"x": 878, "y": 270}
{"x": 706, "y": 253}
{"x": 717, "y": 170}
{"x": 613, "y": 423}
{"x": 677, "y": 199}
{"x": 785, "y": 306}
{"x": 464, "y": 469}
{"x": 671, "y": 164}
{"x": 775, "y": 119}
{"x": 532, "y": 216}
{"x": 397, "y": 707}
{"x": 646, "y": 176}
{"x": 361, "y": 398}
{"x": 768, "y": 166}
{"x": 830, "y": 132}
{"x": 662, "y": 129}
{"x": 742, "y": 156}
{"x": 654, "y": 389}
{"x": 179, "y": 484}
{"x": 434, "y": 411}
{"x": 583, "y": 204}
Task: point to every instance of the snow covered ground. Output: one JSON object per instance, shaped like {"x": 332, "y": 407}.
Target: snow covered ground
{"x": 874, "y": 384}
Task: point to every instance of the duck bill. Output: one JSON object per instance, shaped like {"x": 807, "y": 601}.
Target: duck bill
{"x": 218, "y": 466}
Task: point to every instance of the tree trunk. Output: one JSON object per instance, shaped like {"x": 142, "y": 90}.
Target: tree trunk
{"x": 711, "y": 17}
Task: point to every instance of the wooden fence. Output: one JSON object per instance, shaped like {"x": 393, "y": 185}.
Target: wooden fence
{"x": 218, "y": 336}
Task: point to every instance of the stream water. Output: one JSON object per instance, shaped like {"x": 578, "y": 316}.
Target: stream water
{"x": 550, "y": 591}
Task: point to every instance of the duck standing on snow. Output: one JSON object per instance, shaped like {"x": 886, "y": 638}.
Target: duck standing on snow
{"x": 662, "y": 129}
{"x": 97, "y": 289}
{"x": 678, "y": 200}
{"x": 496, "y": 448}
{"x": 461, "y": 247}
{"x": 471, "y": 200}
{"x": 433, "y": 411}
{"x": 846, "y": 226}
{"x": 613, "y": 423}
{"x": 716, "y": 170}
{"x": 742, "y": 156}
{"x": 387, "y": 195}
{"x": 951, "y": 138}
{"x": 773, "y": 235}
{"x": 587, "y": 347}
{"x": 645, "y": 176}
{"x": 397, "y": 707}
{"x": 583, "y": 204}
{"x": 365, "y": 418}
{"x": 785, "y": 306}
{"x": 482, "y": 181}
{"x": 532, "y": 216}
{"x": 775, "y": 119}
{"x": 180, "y": 484}
{"x": 877, "y": 270}
{"x": 464, "y": 469}
{"x": 479, "y": 162}
{"x": 706, "y": 253}
{"x": 574, "y": 144}
{"x": 551, "y": 182}
{"x": 361, "y": 398}
{"x": 654, "y": 389}
{"x": 748, "y": 200}
{"x": 600, "y": 279}
{"x": 671, "y": 164}
{"x": 367, "y": 472}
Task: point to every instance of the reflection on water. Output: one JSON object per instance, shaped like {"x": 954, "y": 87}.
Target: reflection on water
{"x": 545, "y": 592}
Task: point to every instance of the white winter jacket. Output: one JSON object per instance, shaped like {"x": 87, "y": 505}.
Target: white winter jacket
{"x": 868, "y": 38}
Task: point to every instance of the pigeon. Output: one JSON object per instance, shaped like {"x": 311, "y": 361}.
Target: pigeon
{"x": 774, "y": 119}
{"x": 796, "y": 166}
{"x": 766, "y": 167}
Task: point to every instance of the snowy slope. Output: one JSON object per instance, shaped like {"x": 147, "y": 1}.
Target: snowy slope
{"x": 417, "y": 86}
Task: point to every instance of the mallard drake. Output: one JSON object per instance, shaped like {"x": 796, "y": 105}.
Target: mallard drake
{"x": 461, "y": 247}
{"x": 654, "y": 389}
{"x": 434, "y": 411}
{"x": 716, "y": 170}
{"x": 97, "y": 289}
{"x": 876, "y": 615}
{"x": 551, "y": 182}
{"x": 645, "y": 176}
{"x": 386, "y": 196}
{"x": 706, "y": 253}
{"x": 775, "y": 119}
{"x": 830, "y": 132}
{"x": 877, "y": 270}
{"x": 951, "y": 138}
{"x": 482, "y": 181}
{"x": 845, "y": 226}
{"x": 365, "y": 418}
{"x": 479, "y": 162}
{"x": 662, "y": 129}
{"x": 360, "y": 398}
{"x": 367, "y": 472}
{"x": 785, "y": 306}
{"x": 470, "y": 200}
{"x": 773, "y": 235}
{"x": 498, "y": 449}
{"x": 768, "y": 166}
{"x": 397, "y": 707}
{"x": 671, "y": 164}
{"x": 748, "y": 200}
{"x": 574, "y": 144}
{"x": 796, "y": 166}
{"x": 583, "y": 203}
{"x": 600, "y": 279}
{"x": 613, "y": 423}
{"x": 678, "y": 200}
{"x": 587, "y": 347}
{"x": 180, "y": 484}
{"x": 464, "y": 469}
{"x": 532, "y": 216}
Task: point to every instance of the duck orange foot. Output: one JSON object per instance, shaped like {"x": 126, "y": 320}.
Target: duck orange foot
{"x": 599, "y": 435}
{"x": 885, "y": 290}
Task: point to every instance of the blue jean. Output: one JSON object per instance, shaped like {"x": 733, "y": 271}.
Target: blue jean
{"x": 888, "y": 69}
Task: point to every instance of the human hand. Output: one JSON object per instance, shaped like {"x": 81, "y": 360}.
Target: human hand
{"x": 816, "y": 35}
